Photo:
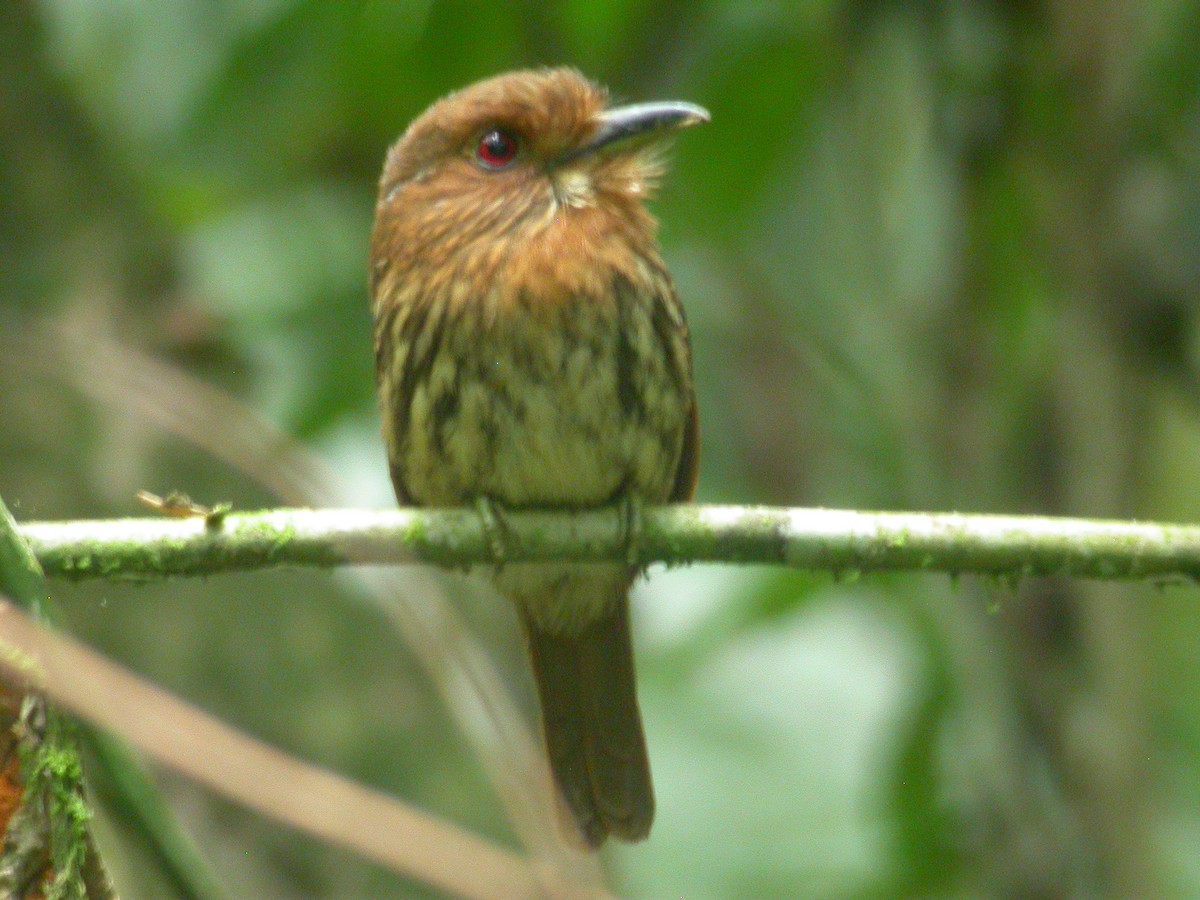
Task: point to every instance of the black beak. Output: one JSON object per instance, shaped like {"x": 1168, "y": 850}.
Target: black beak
{"x": 631, "y": 126}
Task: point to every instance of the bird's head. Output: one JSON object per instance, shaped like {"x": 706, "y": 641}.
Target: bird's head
{"x": 505, "y": 161}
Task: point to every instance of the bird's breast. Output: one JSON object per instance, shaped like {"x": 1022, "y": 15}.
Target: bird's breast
{"x": 565, "y": 396}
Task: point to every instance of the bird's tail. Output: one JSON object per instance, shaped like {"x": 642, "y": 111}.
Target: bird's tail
{"x": 593, "y": 727}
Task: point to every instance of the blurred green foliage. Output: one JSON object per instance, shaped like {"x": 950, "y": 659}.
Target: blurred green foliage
{"x": 935, "y": 256}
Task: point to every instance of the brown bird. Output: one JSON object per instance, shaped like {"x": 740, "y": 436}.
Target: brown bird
{"x": 531, "y": 351}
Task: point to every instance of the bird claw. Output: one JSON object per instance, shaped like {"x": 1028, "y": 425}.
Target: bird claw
{"x": 495, "y": 530}
{"x": 631, "y": 528}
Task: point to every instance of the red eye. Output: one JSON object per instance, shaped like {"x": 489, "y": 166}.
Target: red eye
{"x": 496, "y": 149}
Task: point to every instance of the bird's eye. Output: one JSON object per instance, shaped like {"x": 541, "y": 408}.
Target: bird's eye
{"x": 496, "y": 149}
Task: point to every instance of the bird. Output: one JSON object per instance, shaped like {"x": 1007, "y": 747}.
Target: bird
{"x": 532, "y": 352}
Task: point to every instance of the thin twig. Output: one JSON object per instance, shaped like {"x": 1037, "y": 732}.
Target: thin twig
{"x": 845, "y": 543}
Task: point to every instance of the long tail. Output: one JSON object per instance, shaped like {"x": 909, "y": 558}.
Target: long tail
{"x": 592, "y": 726}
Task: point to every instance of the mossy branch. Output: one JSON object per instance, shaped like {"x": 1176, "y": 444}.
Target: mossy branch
{"x": 48, "y": 848}
{"x": 841, "y": 542}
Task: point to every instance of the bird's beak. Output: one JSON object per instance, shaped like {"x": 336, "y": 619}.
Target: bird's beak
{"x": 627, "y": 127}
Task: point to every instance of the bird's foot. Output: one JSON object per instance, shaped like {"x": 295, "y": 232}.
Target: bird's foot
{"x": 631, "y": 527}
{"x": 495, "y": 530}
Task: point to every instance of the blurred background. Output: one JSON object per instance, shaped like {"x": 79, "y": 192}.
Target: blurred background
{"x": 937, "y": 256}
